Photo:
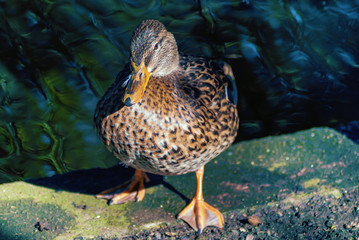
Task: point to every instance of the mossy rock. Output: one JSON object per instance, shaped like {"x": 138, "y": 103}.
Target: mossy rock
{"x": 287, "y": 170}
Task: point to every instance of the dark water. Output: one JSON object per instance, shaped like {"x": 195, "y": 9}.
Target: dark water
{"x": 296, "y": 66}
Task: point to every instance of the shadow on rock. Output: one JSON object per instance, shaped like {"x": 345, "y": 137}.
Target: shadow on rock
{"x": 93, "y": 181}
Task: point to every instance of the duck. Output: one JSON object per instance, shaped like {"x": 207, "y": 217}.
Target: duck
{"x": 168, "y": 114}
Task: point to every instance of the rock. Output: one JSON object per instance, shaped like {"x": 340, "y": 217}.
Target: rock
{"x": 258, "y": 178}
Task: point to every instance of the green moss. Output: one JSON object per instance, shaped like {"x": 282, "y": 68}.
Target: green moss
{"x": 28, "y": 219}
{"x": 297, "y": 198}
{"x": 97, "y": 217}
{"x": 311, "y": 183}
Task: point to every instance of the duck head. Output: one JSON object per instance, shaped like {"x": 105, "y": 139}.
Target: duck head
{"x": 153, "y": 53}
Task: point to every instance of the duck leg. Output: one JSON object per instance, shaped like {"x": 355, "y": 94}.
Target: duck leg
{"x": 199, "y": 214}
{"x": 134, "y": 190}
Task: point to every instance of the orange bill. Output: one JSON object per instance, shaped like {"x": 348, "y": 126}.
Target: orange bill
{"x": 137, "y": 84}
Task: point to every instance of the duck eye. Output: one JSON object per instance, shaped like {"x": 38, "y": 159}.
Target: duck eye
{"x": 156, "y": 46}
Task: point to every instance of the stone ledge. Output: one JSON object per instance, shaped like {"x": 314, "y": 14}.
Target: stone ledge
{"x": 286, "y": 169}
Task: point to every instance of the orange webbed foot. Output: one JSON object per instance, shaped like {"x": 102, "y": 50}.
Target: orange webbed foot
{"x": 134, "y": 190}
{"x": 199, "y": 214}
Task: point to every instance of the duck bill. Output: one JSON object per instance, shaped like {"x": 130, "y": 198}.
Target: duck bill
{"x": 137, "y": 84}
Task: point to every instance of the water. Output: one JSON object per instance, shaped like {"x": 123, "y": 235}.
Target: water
{"x": 295, "y": 64}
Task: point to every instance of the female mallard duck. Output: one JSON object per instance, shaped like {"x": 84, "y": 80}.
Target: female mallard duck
{"x": 167, "y": 114}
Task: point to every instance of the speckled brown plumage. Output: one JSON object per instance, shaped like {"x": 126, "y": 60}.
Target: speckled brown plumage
{"x": 184, "y": 118}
